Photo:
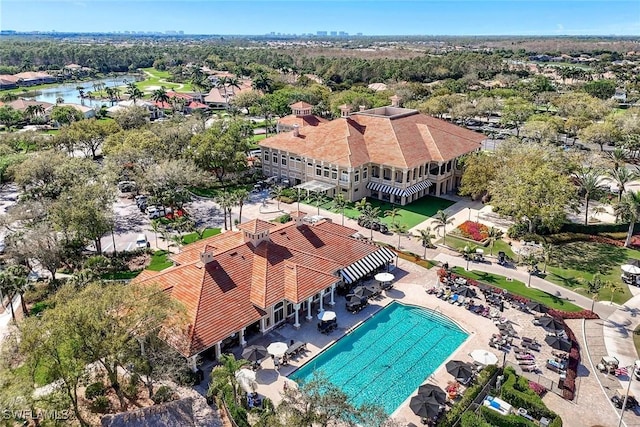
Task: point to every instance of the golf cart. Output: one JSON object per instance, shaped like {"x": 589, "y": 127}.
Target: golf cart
{"x": 608, "y": 364}
{"x": 618, "y": 399}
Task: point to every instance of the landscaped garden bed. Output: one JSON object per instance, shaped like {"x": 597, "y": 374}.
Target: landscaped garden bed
{"x": 472, "y": 230}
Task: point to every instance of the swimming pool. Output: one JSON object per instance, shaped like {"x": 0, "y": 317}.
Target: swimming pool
{"x": 386, "y": 358}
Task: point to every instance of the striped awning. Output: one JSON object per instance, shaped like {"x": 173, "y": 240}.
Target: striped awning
{"x": 367, "y": 264}
{"x": 400, "y": 192}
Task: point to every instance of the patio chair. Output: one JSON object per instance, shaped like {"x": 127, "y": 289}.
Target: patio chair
{"x": 530, "y": 368}
{"x": 461, "y": 300}
{"x": 453, "y": 299}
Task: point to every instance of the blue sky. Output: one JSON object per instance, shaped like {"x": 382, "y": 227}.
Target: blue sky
{"x": 371, "y": 17}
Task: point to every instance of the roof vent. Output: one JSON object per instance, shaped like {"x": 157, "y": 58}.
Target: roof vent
{"x": 206, "y": 257}
{"x": 296, "y": 130}
{"x": 362, "y": 107}
{"x": 395, "y": 101}
{"x": 344, "y": 110}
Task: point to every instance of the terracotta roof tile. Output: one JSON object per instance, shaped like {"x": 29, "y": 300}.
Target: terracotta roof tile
{"x": 308, "y": 120}
{"x": 300, "y": 105}
{"x": 255, "y": 226}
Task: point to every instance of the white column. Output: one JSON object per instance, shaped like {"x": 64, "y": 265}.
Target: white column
{"x": 192, "y": 363}
{"x": 296, "y": 307}
{"x": 321, "y": 300}
{"x": 333, "y": 290}
{"x": 241, "y": 337}
{"x": 309, "y": 301}
{"x": 218, "y": 350}
{"x": 263, "y": 322}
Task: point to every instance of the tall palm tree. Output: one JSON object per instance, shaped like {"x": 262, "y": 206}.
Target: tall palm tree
{"x": 133, "y": 92}
{"x": 241, "y": 195}
{"x": 370, "y": 215}
{"x": 629, "y": 210}
{"x": 340, "y": 203}
{"x": 156, "y": 228}
{"x": 399, "y": 229}
{"x": 223, "y": 201}
{"x": 591, "y": 183}
{"x": 316, "y": 197}
{"x": 442, "y": 219}
{"x": 392, "y": 213}
{"x": 614, "y": 288}
{"x": 618, "y": 157}
{"x": 262, "y": 83}
{"x": 547, "y": 252}
{"x": 622, "y": 176}
{"x": 160, "y": 95}
{"x": 425, "y": 237}
{"x": 278, "y": 191}
{"x": 224, "y": 375}
{"x": 10, "y": 96}
{"x": 493, "y": 235}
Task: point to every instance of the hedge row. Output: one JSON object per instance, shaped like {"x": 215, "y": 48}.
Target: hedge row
{"x": 498, "y": 420}
{"x": 516, "y": 391}
{"x": 452, "y": 415}
{"x": 569, "y": 389}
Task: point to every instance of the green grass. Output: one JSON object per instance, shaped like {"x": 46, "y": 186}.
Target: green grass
{"x": 410, "y": 215}
{"x": 193, "y": 237}
{"x": 121, "y": 275}
{"x": 40, "y": 375}
{"x": 518, "y": 288}
{"x": 213, "y": 192}
{"x": 459, "y": 244}
{"x": 161, "y": 78}
{"x": 159, "y": 261}
{"x": 258, "y": 137}
{"x": 572, "y": 263}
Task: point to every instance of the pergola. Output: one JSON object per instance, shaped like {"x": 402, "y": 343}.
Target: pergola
{"x": 315, "y": 186}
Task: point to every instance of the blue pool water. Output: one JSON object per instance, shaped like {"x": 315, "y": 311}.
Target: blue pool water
{"x": 386, "y": 358}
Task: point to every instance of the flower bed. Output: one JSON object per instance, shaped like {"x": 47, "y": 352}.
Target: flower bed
{"x": 474, "y": 231}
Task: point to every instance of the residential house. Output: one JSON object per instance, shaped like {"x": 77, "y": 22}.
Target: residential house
{"x": 8, "y": 81}
{"x": 154, "y": 111}
{"x": 246, "y": 282}
{"x": 389, "y": 153}
{"x": 32, "y": 78}
{"x": 87, "y": 112}
{"x": 220, "y": 97}
{"x": 22, "y": 104}
{"x": 301, "y": 116}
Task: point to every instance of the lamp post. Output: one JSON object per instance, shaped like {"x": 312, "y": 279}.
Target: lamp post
{"x": 469, "y": 214}
{"x": 626, "y": 395}
{"x": 466, "y": 255}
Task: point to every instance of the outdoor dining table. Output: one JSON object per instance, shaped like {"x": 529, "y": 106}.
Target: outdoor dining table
{"x": 295, "y": 347}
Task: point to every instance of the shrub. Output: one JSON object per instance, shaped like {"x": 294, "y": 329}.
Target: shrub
{"x": 95, "y": 390}
{"x": 471, "y": 419}
{"x": 282, "y": 219}
{"x": 186, "y": 377}
{"x": 474, "y": 230}
{"x": 163, "y": 394}
{"x": 39, "y": 307}
{"x": 517, "y": 230}
{"x": 516, "y": 391}
{"x": 538, "y": 389}
{"x": 582, "y": 314}
{"x": 498, "y": 420}
{"x": 101, "y": 405}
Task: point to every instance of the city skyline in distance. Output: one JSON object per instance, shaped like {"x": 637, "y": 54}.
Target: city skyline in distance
{"x": 370, "y": 17}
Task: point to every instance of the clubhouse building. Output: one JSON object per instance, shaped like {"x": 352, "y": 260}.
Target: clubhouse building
{"x": 389, "y": 153}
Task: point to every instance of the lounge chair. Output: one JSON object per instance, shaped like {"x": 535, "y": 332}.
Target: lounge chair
{"x": 526, "y": 362}
{"x": 530, "y": 368}
{"x": 460, "y": 301}
{"x": 453, "y": 299}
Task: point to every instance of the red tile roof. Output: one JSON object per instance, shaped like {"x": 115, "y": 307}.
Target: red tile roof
{"x": 233, "y": 290}
{"x": 309, "y": 120}
{"x": 300, "y": 105}
{"x": 387, "y": 136}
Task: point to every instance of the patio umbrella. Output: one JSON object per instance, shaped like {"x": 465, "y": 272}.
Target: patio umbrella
{"x": 430, "y": 390}
{"x": 277, "y": 348}
{"x": 630, "y": 269}
{"x": 354, "y": 299}
{"x": 459, "y": 369}
{"x": 384, "y": 277}
{"x": 632, "y": 261}
{"x": 425, "y": 406}
{"x": 484, "y": 357}
{"x": 558, "y": 343}
{"x": 326, "y": 316}
{"x": 551, "y": 324}
{"x": 362, "y": 291}
{"x": 536, "y": 306}
{"x": 254, "y": 353}
{"x": 465, "y": 292}
{"x": 247, "y": 379}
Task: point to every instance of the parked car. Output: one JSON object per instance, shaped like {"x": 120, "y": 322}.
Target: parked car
{"x": 375, "y": 225}
{"x": 608, "y": 364}
{"x": 155, "y": 212}
{"x": 141, "y": 241}
{"x": 618, "y": 400}
{"x": 127, "y": 187}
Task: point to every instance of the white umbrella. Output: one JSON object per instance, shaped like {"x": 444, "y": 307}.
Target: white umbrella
{"x": 247, "y": 379}
{"x": 479, "y": 251}
{"x": 631, "y": 269}
{"x": 326, "y": 316}
{"x": 277, "y": 348}
{"x": 384, "y": 277}
{"x": 484, "y": 357}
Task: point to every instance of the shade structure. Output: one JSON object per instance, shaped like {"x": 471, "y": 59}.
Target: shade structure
{"x": 536, "y": 306}
{"x": 353, "y": 299}
{"x": 254, "y": 353}
{"x": 367, "y": 264}
{"x": 465, "y": 292}
{"x": 484, "y": 357}
{"x": 277, "y": 348}
{"x": 326, "y": 316}
{"x": 630, "y": 269}
{"x": 247, "y": 379}
{"x": 551, "y": 324}
{"x": 384, "y": 277}
{"x": 558, "y": 343}
{"x": 363, "y": 291}
{"x": 425, "y": 406}
{"x": 633, "y": 261}
{"x": 459, "y": 369}
{"x": 433, "y": 391}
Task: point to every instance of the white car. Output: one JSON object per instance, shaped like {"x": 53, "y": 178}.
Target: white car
{"x": 141, "y": 241}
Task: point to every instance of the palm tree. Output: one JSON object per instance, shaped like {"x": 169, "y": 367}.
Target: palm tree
{"x": 370, "y": 215}
{"x": 493, "y": 235}
{"x": 224, "y": 375}
{"x": 425, "y": 237}
{"x": 392, "y": 213}
{"x": 133, "y": 92}
{"x": 622, "y": 176}
{"x": 442, "y": 219}
{"x": 59, "y": 100}
{"x": 400, "y": 230}
{"x": 618, "y": 157}
{"x": 8, "y": 97}
{"x": 156, "y": 228}
{"x": 340, "y": 203}
{"x": 262, "y": 83}
{"x": 591, "y": 183}
{"x": 614, "y": 288}
{"x": 160, "y": 96}
{"x": 628, "y": 209}
{"x": 547, "y": 252}
{"x": 278, "y": 191}
{"x": 316, "y": 197}
{"x": 241, "y": 195}
{"x": 30, "y": 111}
{"x": 222, "y": 200}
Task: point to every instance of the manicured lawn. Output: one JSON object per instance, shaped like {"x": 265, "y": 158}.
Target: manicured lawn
{"x": 213, "y": 192}
{"x": 576, "y": 261}
{"x": 459, "y": 244}
{"x": 120, "y": 275}
{"x": 411, "y": 215}
{"x": 193, "y": 237}
{"x": 161, "y": 78}
{"x": 159, "y": 261}
{"x": 258, "y": 137}
{"x": 518, "y": 288}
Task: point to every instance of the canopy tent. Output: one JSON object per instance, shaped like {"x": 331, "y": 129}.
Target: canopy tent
{"x": 367, "y": 264}
{"x": 315, "y": 186}
{"x": 400, "y": 192}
